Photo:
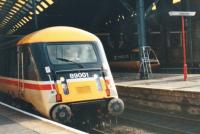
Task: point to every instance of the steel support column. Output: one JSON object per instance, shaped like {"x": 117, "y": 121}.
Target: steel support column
{"x": 141, "y": 37}
{"x": 35, "y": 15}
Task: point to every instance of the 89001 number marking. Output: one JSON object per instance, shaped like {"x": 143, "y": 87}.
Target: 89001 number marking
{"x": 78, "y": 75}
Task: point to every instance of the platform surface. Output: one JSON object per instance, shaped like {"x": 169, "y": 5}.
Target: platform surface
{"x": 13, "y": 122}
{"x": 8, "y": 126}
{"x": 160, "y": 81}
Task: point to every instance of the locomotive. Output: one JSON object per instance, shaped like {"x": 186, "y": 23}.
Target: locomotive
{"x": 62, "y": 72}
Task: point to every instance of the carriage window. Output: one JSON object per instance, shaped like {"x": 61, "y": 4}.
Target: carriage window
{"x": 152, "y": 55}
{"x": 135, "y": 56}
{"x": 123, "y": 57}
{"x": 69, "y": 53}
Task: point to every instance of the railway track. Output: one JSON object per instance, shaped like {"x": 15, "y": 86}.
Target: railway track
{"x": 141, "y": 121}
{"x": 161, "y": 123}
{"x": 97, "y": 131}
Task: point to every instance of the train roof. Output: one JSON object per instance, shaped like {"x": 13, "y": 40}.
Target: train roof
{"x": 57, "y": 34}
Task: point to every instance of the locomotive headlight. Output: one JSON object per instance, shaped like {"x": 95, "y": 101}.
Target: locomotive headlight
{"x": 64, "y": 85}
{"x": 62, "y": 79}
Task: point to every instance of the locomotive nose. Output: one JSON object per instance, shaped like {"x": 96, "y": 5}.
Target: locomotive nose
{"x": 115, "y": 106}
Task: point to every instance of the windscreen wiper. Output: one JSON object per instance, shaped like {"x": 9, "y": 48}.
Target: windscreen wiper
{"x": 62, "y": 59}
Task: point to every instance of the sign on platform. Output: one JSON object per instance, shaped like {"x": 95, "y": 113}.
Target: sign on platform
{"x": 182, "y": 13}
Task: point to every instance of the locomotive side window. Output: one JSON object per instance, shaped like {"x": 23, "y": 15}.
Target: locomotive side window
{"x": 9, "y": 60}
{"x": 12, "y": 63}
{"x": 29, "y": 70}
{"x": 69, "y": 53}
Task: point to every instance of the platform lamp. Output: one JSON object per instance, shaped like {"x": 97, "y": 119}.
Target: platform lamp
{"x": 182, "y": 14}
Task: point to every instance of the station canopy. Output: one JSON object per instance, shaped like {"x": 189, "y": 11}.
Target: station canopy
{"x": 14, "y": 14}
{"x": 24, "y": 16}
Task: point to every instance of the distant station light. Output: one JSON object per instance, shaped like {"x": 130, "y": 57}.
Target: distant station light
{"x": 123, "y": 17}
{"x": 21, "y": 1}
{"x": 31, "y": 13}
{"x": 39, "y": 8}
{"x": 11, "y": 13}
{"x": 37, "y": 12}
{"x": 44, "y": 4}
{"x": 19, "y": 25}
{"x": 12, "y": 10}
{"x": 16, "y": 8}
{"x": 23, "y": 21}
{"x": 154, "y": 7}
{"x": 26, "y": 18}
{"x": 30, "y": 17}
{"x": 50, "y": 2}
{"x": 17, "y": 4}
{"x": 176, "y": 1}
{"x": 1, "y": 3}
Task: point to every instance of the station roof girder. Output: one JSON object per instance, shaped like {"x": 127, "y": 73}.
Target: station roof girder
{"x": 16, "y": 13}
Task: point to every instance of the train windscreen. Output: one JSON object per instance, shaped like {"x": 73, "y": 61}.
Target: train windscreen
{"x": 70, "y": 53}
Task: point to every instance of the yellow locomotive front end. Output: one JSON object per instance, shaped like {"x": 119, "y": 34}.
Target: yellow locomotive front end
{"x": 84, "y": 84}
{"x": 72, "y": 64}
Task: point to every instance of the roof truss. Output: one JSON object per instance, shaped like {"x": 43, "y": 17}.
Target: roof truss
{"x": 14, "y": 14}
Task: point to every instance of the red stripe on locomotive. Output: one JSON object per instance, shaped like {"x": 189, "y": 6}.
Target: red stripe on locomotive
{"x": 28, "y": 85}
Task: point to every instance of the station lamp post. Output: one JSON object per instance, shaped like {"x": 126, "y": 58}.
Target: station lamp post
{"x": 182, "y": 14}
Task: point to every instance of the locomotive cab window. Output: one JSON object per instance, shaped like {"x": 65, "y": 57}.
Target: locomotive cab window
{"x": 70, "y": 53}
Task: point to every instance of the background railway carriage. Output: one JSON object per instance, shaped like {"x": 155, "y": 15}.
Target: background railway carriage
{"x": 131, "y": 61}
{"x": 61, "y": 71}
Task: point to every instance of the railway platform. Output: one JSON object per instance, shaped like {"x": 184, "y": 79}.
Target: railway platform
{"x": 168, "y": 92}
{"x": 15, "y": 121}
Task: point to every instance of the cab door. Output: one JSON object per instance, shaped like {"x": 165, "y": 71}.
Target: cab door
{"x": 20, "y": 68}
